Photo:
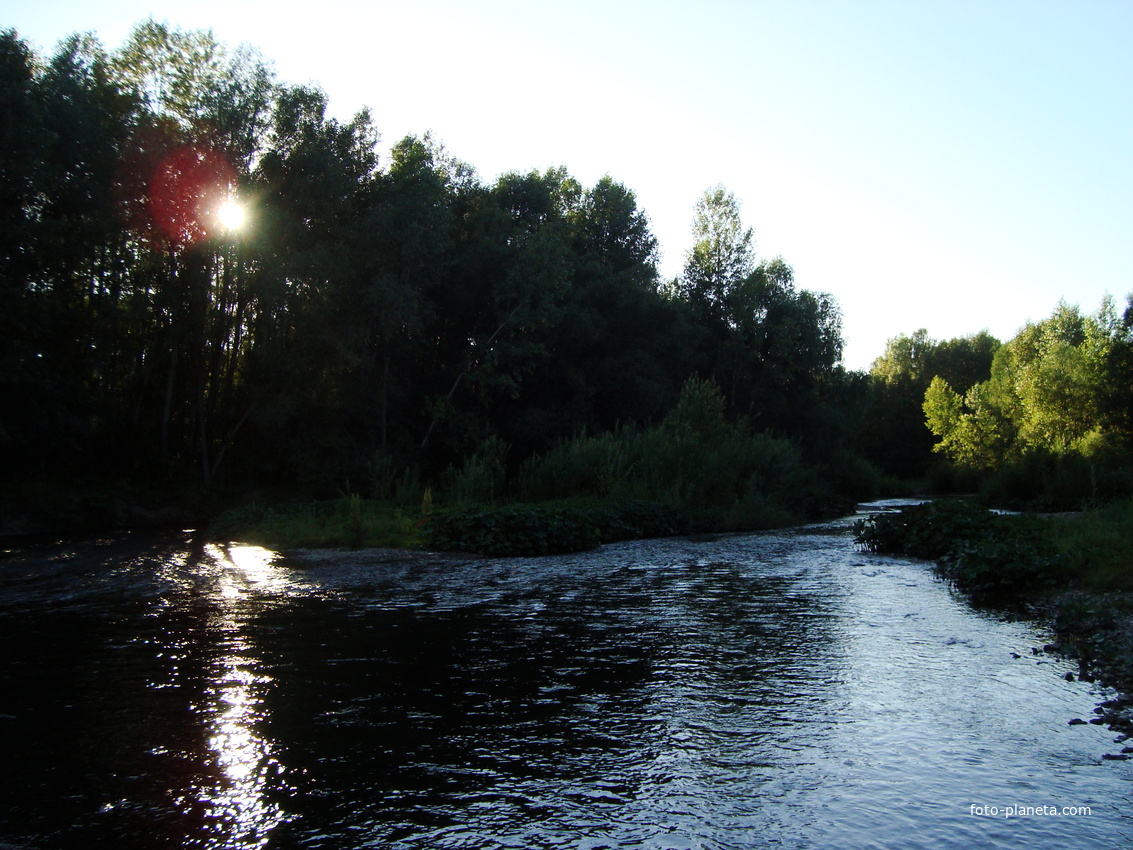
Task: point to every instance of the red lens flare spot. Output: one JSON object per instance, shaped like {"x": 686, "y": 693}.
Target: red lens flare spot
{"x": 189, "y": 187}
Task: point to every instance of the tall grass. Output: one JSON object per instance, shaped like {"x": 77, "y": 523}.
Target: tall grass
{"x": 481, "y": 479}
{"x": 348, "y": 522}
{"x": 1099, "y": 547}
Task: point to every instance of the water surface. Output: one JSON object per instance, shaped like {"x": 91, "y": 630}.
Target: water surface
{"x": 770, "y": 690}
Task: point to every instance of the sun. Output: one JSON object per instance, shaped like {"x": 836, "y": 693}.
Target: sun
{"x": 231, "y": 215}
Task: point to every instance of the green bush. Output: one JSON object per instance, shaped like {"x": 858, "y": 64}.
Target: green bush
{"x": 992, "y": 557}
{"x": 548, "y": 528}
{"x": 1045, "y": 480}
{"x": 928, "y": 530}
{"x": 694, "y": 461}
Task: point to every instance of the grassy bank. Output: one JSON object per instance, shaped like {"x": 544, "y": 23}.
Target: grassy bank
{"x": 506, "y": 529}
{"x": 1074, "y": 570}
{"x": 350, "y": 522}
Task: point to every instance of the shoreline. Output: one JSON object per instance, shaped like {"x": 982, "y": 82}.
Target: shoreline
{"x": 1068, "y": 571}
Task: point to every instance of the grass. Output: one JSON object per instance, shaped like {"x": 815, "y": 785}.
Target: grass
{"x": 350, "y": 522}
{"x": 1098, "y": 546}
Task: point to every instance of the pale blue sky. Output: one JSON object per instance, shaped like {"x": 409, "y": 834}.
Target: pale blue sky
{"x": 949, "y": 165}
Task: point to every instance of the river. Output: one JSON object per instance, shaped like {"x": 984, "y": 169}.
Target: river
{"x": 744, "y": 691}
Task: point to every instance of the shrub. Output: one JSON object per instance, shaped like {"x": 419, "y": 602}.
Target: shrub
{"x": 992, "y": 557}
{"x": 694, "y": 461}
{"x": 548, "y": 528}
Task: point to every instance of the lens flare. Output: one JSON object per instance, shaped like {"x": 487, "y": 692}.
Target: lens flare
{"x": 231, "y": 215}
{"x": 190, "y": 185}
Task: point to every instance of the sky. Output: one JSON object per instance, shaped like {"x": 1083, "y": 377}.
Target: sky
{"x": 953, "y": 165}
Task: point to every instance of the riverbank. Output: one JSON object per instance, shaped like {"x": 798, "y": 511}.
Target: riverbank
{"x": 1073, "y": 571}
{"x": 509, "y": 529}
{"x": 49, "y": 507}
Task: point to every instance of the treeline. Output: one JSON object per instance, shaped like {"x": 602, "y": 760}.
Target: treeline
{"x": 208, "y": 282}
{"x": 369, "y": 321}
{"x": 1043, "y": 419}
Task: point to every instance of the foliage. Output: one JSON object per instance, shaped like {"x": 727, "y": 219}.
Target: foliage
{"x": 973, "y": 432}
{"x": 346, "y": 522}
{"x": 1098, "y": 544}
{"x": 695, "y": 460}
{"x": 896, "y": 438}
{"x": 992, "y": 557}
{"x": 550, "y": 527}
{"x": 722, "y": 255}
{"x": 1049, "y": 422}
{"x": 399, "y": 323}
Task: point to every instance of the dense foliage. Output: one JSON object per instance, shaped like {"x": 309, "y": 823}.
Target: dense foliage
{"x": 209, "y": 286}
{"x": 1053, "y": 417}
{"x": 205, "y": 279}
{"x": 899, "y": 442}
{"x": 992, "y": 557}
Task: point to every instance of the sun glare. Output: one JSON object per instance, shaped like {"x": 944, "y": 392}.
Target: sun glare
{"x": 231, "y": 215}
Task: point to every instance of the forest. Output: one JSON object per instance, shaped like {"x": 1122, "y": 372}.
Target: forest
{"x": 212, "y": 293}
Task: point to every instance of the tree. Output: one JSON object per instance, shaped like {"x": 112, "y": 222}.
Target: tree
{"x": 780, "y": 342}
{"x": 22, "y": 138}
{"x": 906, "y": 358}
{"x": 1046, "y": 393}
{"x": 173, "y": 71}
{"x": 972, "y": 430}
{"x": 309, "y": 334}
{"x": 897, "y": 439}
{"x": 722, "y": 255}
{"x": 518, "y": 272}
{"x": 411, "y": 248}
{"x": 612, "y": 344}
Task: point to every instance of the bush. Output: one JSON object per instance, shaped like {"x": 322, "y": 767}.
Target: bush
{"x": 992, "y": 557}
{"x": 548, "y": 528}
{"x": 1070, "y": 481}
{"x": 694, "y": 461}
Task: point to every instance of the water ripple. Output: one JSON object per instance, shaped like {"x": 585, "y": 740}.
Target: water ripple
{"x": 775, "y": 690}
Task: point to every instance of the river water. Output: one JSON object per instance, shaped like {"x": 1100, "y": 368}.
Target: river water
{"x": 769, "y": 690}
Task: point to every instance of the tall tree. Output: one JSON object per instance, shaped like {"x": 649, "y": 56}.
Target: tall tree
{"x": 22, "y": 137}
{"x": 722, "y": 255}
{"x": 1047, "y": 393}
{"x": 317, "y": 184}
{"x": 174, "y": 71}
{"x": 896, "y": 438}
{"x": 517, "y": 271}
{"x": 612, "y": 345}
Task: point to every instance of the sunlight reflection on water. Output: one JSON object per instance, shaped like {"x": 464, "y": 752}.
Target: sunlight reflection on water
{"x": 235, "y": 806}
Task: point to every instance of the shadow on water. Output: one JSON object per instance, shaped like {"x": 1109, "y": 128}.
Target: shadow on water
{"x": 746, "y": 691}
